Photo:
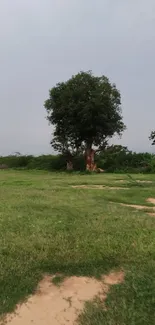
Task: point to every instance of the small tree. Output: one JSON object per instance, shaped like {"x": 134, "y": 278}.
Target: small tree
{"x": 152, "y": 137}
{"x": 86, "y": 113}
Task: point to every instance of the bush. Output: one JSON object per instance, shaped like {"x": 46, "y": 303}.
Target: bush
{"x": 16, "y": 161}
{"x": 118, "y": 158}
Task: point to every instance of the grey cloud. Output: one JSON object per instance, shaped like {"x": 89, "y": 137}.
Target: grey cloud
{"x": 43, "y": 42}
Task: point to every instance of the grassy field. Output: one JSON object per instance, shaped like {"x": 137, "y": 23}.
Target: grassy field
{"x": 47, "y": 226}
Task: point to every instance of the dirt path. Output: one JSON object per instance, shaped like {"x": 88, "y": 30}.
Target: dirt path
{"x": 99, "y": 187}
{"x": 141, "y": 207}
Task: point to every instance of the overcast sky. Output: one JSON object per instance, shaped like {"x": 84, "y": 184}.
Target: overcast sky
{"x": 46, "y": 41}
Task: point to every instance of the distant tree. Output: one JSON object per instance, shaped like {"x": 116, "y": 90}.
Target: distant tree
{"x": 152, "y": 137}
{"x": 16, "y": 153}
{"x": 86, "y": 113}
{"x": 117, "y": 149}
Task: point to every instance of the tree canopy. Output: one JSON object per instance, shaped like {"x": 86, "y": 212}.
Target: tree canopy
{"x": 85, "y": 111}
{"x": 152, "y": 137}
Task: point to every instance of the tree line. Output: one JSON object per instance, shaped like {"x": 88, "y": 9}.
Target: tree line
{"x": 113, "y": 159}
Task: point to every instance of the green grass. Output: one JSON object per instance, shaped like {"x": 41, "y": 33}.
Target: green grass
{"x": 46, "y": 226}
{"x": 58, "y": 279}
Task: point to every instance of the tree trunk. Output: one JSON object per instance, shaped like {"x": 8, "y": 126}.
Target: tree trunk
{"x": 90, "y": 164}
{"x": 69, "y": 165}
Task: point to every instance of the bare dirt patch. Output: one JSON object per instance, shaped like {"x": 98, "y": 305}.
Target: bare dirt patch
{"x": 99, "y": 187}
{"x": 151, "y": 214}
{"x": 138, "y": 207}
{"x": 139, "y": 181}
{"x": 151, "y": 200}
{"x": 136, "y": 180}
{"x": 135, "y": 206}
{"x": 61, "y": 305}
{"x": 114, "y": 278}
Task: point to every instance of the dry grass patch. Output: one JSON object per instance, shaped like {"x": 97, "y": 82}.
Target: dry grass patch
{"x": 136, "y": 180}
{"x": 140, "y": 181}
{"x": 100, "y": 187}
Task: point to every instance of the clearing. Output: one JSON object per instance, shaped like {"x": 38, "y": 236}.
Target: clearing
{"x": 84, "y": 234}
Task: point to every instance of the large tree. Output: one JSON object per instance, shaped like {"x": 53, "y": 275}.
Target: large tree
{"x": 152, "y": 137}
{"x": 85, "y": 112}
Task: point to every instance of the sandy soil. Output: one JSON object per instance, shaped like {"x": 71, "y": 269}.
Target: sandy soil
{"x": 136, "y": 180}
{"x": 138, "y": 207}
{"x": 149, "y": 182}
{"x": 61, "y": 305}
{"x": 141, "y": 207}
{"x": 151, "y": 200}
{"x": 99, "y": 187}
{"x": 151, "y": 214}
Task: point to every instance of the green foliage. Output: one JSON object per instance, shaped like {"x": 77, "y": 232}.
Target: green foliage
{"x": 58, "y": 279}
{"x": 48, "y": 162}
{"x": 152, "y": 137}
{"x": 118, "y": 158}
{"x": 16, "y": 161}
{"x": 113, "y": 159}
{"x": 85, "y": 111}
{"x": 44, "y": 162}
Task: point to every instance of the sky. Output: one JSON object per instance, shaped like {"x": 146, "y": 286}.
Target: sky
{"x": 44, "y": 42}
